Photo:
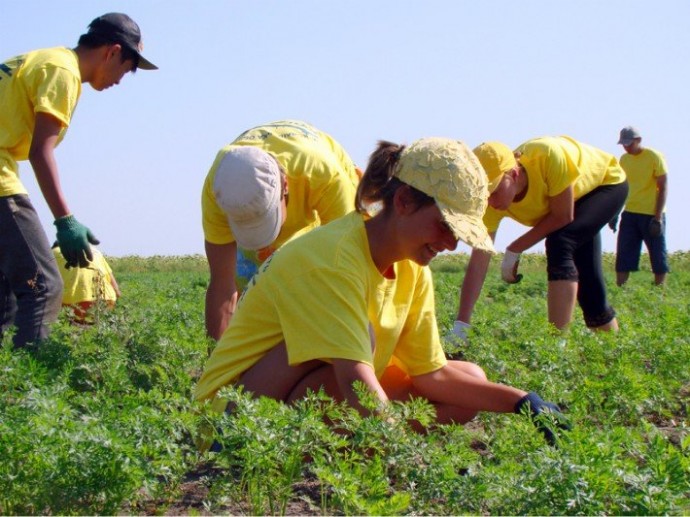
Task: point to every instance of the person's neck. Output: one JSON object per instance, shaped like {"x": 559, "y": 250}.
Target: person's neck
{"x": 381, "y": 247}
{"x": 88, "y": 59}
{"x": 523, "y": 184}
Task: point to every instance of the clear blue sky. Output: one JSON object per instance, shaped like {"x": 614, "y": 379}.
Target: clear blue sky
{"x": 134, "y": 160}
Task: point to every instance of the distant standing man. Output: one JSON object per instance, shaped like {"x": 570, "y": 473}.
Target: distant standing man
{"x": 643, "y": 218}
{"x": 39, "y": 92}
{"x": 271, "y": 183}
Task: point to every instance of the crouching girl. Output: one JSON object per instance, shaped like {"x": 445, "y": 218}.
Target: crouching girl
{"x": 354, "y": 301}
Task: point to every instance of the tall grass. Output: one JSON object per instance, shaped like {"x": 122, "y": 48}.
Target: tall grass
{"x": 100, "y": 419}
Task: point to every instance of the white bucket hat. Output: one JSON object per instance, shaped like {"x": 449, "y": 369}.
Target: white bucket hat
{"x": 247, "y": 186}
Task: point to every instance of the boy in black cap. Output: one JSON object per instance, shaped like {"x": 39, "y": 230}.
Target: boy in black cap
{"x": 39, "y": 91}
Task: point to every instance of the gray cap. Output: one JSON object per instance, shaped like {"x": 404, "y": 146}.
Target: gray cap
{"x": 628, "y": 134}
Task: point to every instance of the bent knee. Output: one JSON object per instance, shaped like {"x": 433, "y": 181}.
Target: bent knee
{"x": 468, "y": 368}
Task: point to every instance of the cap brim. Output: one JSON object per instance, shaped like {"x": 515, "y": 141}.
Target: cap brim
{"x": 145, "y": 64}
{"x": 469, "y": 229}
{"x": 258, "y": 233}
{"x": 493, "y": 184}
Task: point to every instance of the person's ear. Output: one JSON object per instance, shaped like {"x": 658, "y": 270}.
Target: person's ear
{"x": 403, "y": 201}
{"x": 113, "y": 51}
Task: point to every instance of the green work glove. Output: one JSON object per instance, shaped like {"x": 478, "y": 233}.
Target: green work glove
{"x": 74, "y": 239}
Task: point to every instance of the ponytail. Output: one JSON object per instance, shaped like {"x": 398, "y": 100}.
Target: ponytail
{"x": 378, "y": 182}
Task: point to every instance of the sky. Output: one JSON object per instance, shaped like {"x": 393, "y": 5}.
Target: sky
{"x": 135, "y": 156}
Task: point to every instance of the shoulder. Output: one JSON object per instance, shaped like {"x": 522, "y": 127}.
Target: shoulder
{"x": 339, "y": 244}
{"x": 657, "y": 155}
{"x": 57, "y": 57}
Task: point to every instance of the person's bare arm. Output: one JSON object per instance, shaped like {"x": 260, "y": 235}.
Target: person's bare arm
{"x": 347, "y": 372}
{"x": 473, "y": 282}
{"x": 561, "y": 213}
{"x": 661, "y": 194}
{"x": 42, "y": 159}
{"x": 450, "y": 385}
{"x": 115, "y": 285}
{"x": 221, "y": 295}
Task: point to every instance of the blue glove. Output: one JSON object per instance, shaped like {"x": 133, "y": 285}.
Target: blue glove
{"x": 74, "y": 239}
{"x": 543, "y": 415}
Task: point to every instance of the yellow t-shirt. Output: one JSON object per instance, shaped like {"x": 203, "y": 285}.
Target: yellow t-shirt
{"x": 552, "y": 164}
{"x": 86, "y": 284}
{"x": 46, "y": 81}
{"x": 642, "y": 170}
{"x": 322, "y": 182}
{"x": 318, "y": 293}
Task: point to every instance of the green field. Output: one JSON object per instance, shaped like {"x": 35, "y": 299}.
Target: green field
{"x": 100, "y": 420}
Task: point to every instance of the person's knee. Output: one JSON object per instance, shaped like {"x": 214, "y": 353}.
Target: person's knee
{"x": 560, "y": 262}
{"x": 599, "y": 318}
{"x": 566, "y": 271}
{"x": 475, "y": 371}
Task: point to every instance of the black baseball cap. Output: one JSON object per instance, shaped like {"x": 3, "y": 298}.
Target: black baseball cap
{"x": 120, "y": 28}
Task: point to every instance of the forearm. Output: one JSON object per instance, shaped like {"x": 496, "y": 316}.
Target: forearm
{"x": 220, "y": 307}
{"x": 347, "y": 372}
{"x": 42, "y": 159}
{"x": 549, "y": 224}
{"x": 660, "y": 202}
{"x": 472, "y": 284}
{"x": 45, "y": 169}
{"x": 449, "y": 385}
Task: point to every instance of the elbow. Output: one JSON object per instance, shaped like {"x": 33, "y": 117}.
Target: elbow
{"x": 34, "y": 155}
{"x": 565, "y": 219}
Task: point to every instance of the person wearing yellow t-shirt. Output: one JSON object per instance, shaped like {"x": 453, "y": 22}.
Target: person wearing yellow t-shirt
{"x": 353, "y": 300}
{"x": 565, "y": 191}
{"x": 644, "y": 218}
{"x": 270, "y": 184}
{"x": 84, "y": 287}
{"x": 39, "y": 92}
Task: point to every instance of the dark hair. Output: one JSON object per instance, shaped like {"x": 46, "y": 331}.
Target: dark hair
{"x": 95, "y": 40}
{"x": 378, "y": 182}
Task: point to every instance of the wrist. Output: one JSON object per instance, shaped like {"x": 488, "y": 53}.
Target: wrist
{"x": 66, "y": 221}
{"x": 512, "y": 248}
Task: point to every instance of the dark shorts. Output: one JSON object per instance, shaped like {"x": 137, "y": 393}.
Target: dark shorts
{"x": 634, "y": 230}
{"x": 573, "y": 252}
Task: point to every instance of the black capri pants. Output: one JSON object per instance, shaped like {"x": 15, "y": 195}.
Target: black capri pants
{"x": 574, "y": 251}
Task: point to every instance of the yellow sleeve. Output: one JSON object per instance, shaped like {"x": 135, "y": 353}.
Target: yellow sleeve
{"x": 325, "y": 318}
{"x": 215, "y": 223}
{"x": 56, "y": 92}
{"x": 419, "y": 347}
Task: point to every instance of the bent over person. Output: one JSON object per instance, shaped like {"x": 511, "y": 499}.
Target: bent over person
{"x": 565, "y": 191}
{"x": 271, "y": 183}
{"x": 39, "y": 92}
{"x": 353, "y": 300}
{"x": 85, "y": 287}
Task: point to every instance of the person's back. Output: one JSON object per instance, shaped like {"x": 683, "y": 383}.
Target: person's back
{"x": 272, "y": 183}
{"x": 86, "y": 288}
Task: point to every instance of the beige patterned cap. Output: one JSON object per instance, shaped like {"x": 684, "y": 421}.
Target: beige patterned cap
{"x": 448, "y": 171}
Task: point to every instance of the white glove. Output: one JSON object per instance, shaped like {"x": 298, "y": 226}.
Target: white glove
{"x": 509, "y": 267}
{"x": 460, "y": 329}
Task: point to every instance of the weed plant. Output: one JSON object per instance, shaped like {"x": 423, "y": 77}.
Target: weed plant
{"x": 100, "y": 419}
